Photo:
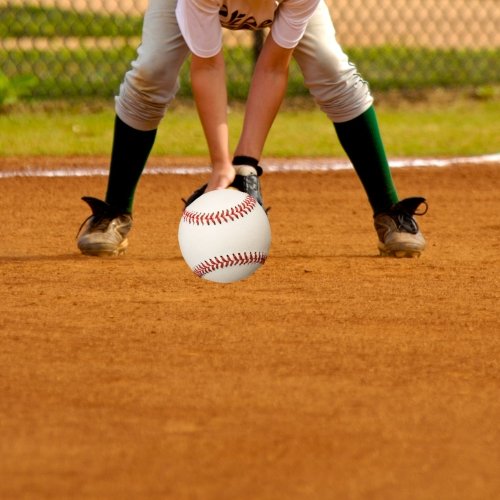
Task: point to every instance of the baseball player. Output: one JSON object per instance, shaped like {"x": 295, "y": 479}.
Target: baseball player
{"x": 303, "y": 29}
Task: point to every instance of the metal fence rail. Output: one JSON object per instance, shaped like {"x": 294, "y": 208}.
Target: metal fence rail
{"x": 65, "y": 48}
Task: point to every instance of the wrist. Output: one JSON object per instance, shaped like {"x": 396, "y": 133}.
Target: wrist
{"x": 222, "y": 166}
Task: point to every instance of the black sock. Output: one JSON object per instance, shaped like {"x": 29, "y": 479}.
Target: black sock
{"x": 130, "y": 152}
{"x": 245, "y": 160}
{"x": 248, "y": 160}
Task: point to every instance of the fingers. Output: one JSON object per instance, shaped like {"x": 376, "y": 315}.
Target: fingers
{"x": 221, "y": 180}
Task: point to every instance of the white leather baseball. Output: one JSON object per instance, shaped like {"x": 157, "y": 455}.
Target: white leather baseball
{"x": 224, "y": 236}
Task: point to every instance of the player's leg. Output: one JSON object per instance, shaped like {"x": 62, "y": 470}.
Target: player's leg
{"x": 147, "y": 90}
{"x": 346, "y": 99}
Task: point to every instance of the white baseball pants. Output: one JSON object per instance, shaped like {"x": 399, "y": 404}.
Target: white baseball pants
{"x": 152, "y": 82}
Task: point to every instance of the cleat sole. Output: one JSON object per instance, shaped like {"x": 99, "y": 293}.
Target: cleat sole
{"x": 104, "y": 250}
{"x": 400, "y": 254}
{"x": 116, "y": 253}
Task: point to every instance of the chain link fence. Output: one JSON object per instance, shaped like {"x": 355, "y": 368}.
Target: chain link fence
{"x": 82, "y": 48}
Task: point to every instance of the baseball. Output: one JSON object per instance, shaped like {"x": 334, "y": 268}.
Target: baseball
{"x": 224, "y": 236}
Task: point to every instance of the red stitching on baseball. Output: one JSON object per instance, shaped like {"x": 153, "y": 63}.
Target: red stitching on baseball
{"x": 235, "y": 259}
{"x": 221, "y": 216}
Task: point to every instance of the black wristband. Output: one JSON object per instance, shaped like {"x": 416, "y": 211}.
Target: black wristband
{"x": 245, "y": 160}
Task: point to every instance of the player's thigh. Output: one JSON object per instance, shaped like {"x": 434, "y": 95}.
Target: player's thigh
{"x": 152, "y": 82}
{"x": 319, "y": 55}
{"x": 162, "y": 51}
{"x": 332, "y": 79}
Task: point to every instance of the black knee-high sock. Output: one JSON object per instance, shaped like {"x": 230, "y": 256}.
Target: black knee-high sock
{"x": 130, "y": 152}
{"x": 363, "y": 144}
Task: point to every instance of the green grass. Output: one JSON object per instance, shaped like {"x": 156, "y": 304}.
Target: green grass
{"x": 460, "y": 129}
{"x": 461, "y": 126}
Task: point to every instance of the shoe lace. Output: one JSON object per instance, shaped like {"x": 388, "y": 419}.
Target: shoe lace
{"x": 100, "y": 222}
{"x": 404, "y": 211}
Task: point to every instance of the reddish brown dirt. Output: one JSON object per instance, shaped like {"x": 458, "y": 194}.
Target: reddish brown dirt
{"x": 331, "y": 373}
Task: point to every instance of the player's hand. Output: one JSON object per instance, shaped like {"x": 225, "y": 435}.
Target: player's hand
{"x": 221, "y": 178}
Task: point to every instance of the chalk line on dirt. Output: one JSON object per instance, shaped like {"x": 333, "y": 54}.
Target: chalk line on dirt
{"x": 298, "y": 165}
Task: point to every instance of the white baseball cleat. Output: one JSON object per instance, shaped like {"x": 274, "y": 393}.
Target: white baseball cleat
{"x": 104, "y": 233}
{"x": 398, "y": 233}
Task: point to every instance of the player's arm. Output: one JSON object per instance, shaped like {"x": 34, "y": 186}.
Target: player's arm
{"x": 266, "y": 94}
{"x": 209, "y": 88}
{"x": 271, "y": 74}
{"x": 200, "y": 26}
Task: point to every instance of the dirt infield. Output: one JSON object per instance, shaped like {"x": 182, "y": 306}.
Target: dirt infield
{"x": 331, "y": 373}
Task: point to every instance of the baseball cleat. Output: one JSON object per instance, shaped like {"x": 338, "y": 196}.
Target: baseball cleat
{"x": 104, "y": 233}
{"x": 398, "y": 233}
